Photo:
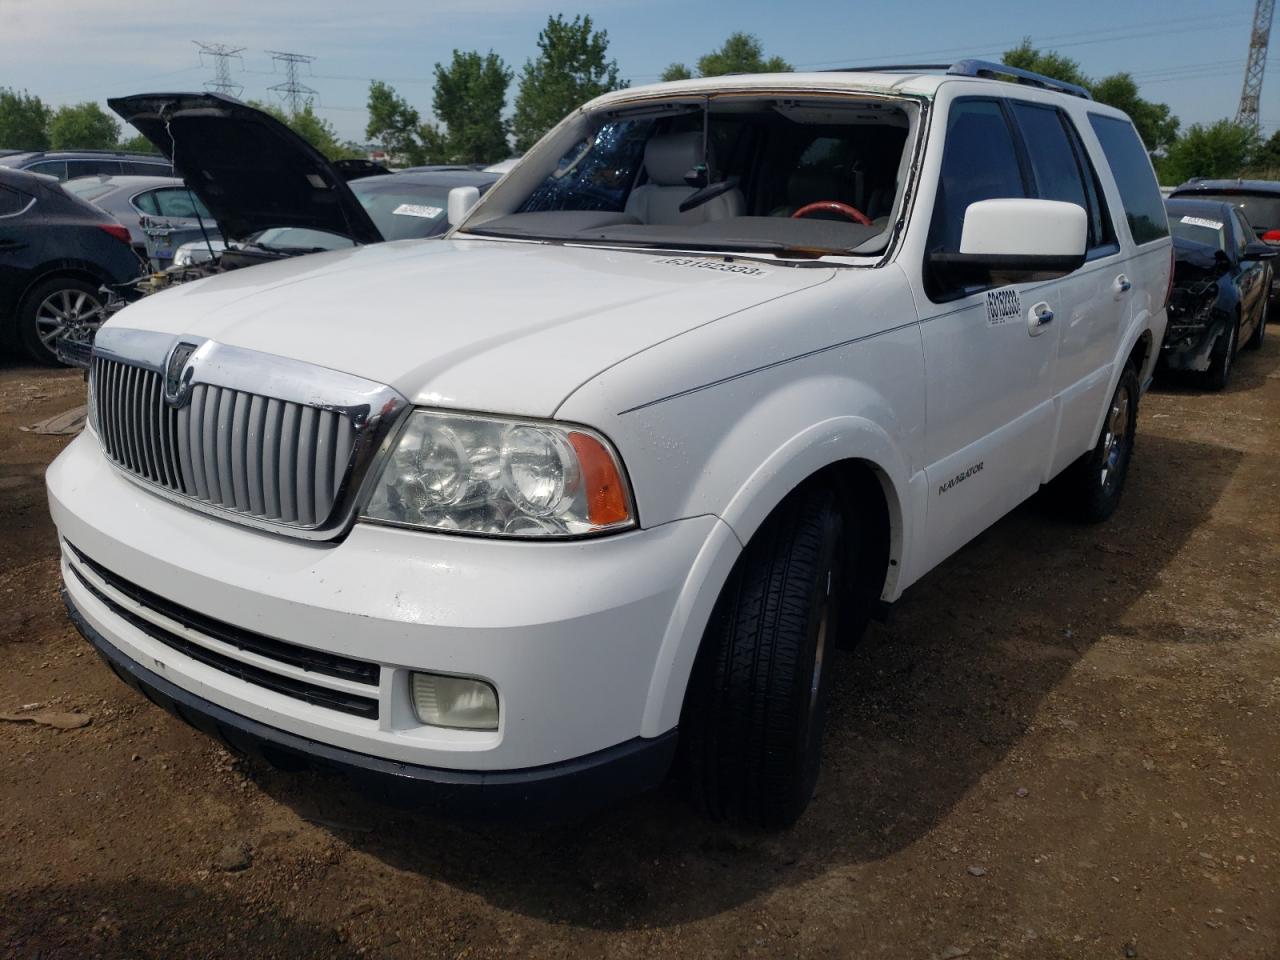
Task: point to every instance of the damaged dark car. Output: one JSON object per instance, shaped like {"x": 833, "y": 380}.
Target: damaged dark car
{"x": 1221, "y": 282}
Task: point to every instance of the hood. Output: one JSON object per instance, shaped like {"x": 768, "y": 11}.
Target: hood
{"x": 496, "y": 326}
{"x": 251, "y": 171}
{"x": 1194, "y": 261}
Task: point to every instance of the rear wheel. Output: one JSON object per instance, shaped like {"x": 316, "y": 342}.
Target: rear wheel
{"x": 754, "y": 715}
{"x": 1222, "y": 357}
{"x": 55, "y": 308}
{"x": 1090, "y": 488}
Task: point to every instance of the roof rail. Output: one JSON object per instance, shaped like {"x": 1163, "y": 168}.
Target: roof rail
{"x": 987, "y": 69}
{"x": 994, "y": 71}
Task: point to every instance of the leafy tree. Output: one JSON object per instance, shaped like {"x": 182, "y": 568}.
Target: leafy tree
{"x": 1155, "y": 123}
{"x": 24, "y": 121}
{"x": 1266, "y": 159}
{"x": 137, "y": 144}
{"x": 570, "y": 69}
{"x": 470, "y": 95}
{"x": 1220, "y": 149}
{"x": 84, "y": 126}
{"x": 394, "y": 124}
{"x": 741, "y": 53}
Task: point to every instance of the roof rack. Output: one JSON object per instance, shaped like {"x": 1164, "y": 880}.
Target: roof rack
{"x": 987, "y": 69}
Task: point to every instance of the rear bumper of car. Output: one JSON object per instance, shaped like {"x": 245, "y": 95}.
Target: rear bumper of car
{"x": 553, "y": 790}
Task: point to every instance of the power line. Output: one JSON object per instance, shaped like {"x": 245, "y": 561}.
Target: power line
{"x": 221, "y": 54}
{"x": 292, "y": 91}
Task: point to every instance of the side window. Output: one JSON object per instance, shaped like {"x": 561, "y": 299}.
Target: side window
{"x": 12, "y": 201}
{"x": 141, "y": 168}
{"x": 50, "y": 168}
{"x": 1102, "y": 229}
{"x": 171, "y": 202}
{"x": 979, "y": 162}
{"x": 1130, "y": 165}
{"x": 1244, "y": 233}
{"x": 1054, "y": 165}
{"x": 146, "y": 202}
{"x": 91, "y": 168}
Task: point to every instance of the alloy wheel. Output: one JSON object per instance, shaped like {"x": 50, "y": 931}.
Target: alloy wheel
{"x": 68, "y": 312}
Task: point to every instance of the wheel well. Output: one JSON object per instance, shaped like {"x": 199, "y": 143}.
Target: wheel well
{"x": 1140, "y": 352}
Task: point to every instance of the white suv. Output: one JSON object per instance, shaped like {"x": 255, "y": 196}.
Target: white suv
{"x": 720, "y": 367}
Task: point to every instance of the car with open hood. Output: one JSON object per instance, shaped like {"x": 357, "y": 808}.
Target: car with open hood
{"x": 717, "y": 371}
{"x": 1220, "y": 299}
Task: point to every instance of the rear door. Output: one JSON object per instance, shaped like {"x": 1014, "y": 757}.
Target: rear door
{"x": 1253, "y": 275}
{"x": 16, "y": 250}
{"x": 990, "y": 365}
{"x": 1094, "y": 306}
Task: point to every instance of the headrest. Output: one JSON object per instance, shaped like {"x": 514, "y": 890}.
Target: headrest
{"x": 669, "y": 157}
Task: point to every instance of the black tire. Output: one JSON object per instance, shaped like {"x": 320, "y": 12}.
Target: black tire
{"x": 1090, "y": 488}
{"x": 77, "y": 299}
{"x": 754, "y": 714}
{"x": 1221, "y": 358}
{"x": 1260, "y": 334}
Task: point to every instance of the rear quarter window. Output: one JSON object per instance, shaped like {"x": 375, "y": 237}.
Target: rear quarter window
{"x": 1136, "y": 181}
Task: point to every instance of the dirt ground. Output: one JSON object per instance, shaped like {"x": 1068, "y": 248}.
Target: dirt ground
{"x": 1064, "y": 743}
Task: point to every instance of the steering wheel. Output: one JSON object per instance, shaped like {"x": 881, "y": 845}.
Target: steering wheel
{"x": 833, "y": 206}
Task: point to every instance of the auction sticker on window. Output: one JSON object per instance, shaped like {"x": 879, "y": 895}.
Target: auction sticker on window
{"x": 417, "y": 210}
{"x": 1003, "y": 306}
{"x": 1202, "y": 222}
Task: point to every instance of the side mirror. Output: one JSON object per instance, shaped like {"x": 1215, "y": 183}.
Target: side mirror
{"x": 461, "y": 200}
{"x": 1259, "y": 251}
{"x": 1015, "y": 240}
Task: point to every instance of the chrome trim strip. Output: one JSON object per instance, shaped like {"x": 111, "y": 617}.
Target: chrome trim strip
{"x": 371, "y": 408}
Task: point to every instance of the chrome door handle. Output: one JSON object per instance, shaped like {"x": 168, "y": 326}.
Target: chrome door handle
{"x": 1122, "y": 284}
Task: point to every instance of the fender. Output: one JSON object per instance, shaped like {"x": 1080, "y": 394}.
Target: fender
{"x": 820, "y": 445}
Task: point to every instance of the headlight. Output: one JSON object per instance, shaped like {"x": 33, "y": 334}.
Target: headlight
{"x": 501, "y": 477}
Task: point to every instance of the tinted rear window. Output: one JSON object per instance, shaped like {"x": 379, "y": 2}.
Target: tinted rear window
{"x": 1130, "y": 165}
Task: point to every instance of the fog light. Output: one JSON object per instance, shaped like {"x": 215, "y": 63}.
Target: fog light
{"x": 458, "y": 702}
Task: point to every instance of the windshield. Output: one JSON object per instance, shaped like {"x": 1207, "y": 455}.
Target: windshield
{"x": 403, "y": 211}
{"x": 1201, "y": 229}
{"x": 1262, "y": 209}
{"x": 787, "y": 176}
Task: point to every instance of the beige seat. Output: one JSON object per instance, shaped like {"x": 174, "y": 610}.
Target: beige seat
{"x": 667, "y": 159}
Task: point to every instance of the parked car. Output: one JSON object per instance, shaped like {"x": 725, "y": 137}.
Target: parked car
{"x": 160, "y": 212}
{"x": 295, "y": 202}
{"x": 1259, "y": 200}
{"x": 504, "y": 516}
{"x": 56, "y": 251}
{"x": 1221, "y": 278}
{"x": 69, "y": 164}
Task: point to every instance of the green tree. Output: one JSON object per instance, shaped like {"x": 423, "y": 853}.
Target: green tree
{"x": 741, "y": 53}
{"x": 570, "y": 69}
{"x": 83, "y": 126}
{"x": 393, "y": 124}
{"x": 1155, "y": 122}
{"x": 1220, "y": 149}
{"x": 1265, "y": 163}
{"x": 24, "y": 121}
{"x": 137, "y": 144}
{"x": 470, "y": 95}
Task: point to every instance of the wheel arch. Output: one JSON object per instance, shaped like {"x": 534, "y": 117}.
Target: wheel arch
{"x": 858, "y": 459}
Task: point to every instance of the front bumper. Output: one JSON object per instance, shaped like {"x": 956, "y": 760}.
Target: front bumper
{"x": 574, "y": 636}
{"x": 554, "y": 791}
{"x": 1188, "y": 347}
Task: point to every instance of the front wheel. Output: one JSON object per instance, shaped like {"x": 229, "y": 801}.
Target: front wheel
{"x": 754, "y": 713}
{"x": 1221, "y": 357}
{"x": 1090, "y": 488}
{"x": 56, "y": 308}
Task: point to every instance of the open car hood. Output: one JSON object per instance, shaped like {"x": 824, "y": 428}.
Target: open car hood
{"x": 251, "y": 171}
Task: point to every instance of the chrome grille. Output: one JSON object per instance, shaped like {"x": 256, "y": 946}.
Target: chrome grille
{"x": 288, "y": 463}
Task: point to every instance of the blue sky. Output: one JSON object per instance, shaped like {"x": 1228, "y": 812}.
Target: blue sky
{"x": 72, "y": 50}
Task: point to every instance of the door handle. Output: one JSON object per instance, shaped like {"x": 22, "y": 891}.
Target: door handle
{"x": 1122, "y": 284}
{"x": 1039, "y": 317}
